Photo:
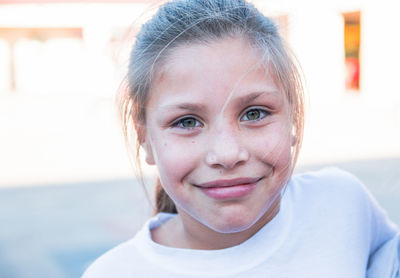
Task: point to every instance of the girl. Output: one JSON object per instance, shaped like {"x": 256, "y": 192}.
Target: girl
{"x": 217, "y": 105}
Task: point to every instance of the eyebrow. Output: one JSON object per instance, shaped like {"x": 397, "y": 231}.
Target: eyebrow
{"x": 186, "y": 106}
{"x": 197, "y": 107}
{"x": 250, "y": 97}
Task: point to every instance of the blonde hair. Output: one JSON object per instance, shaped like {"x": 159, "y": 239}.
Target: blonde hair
{"x": 200, "y": 21}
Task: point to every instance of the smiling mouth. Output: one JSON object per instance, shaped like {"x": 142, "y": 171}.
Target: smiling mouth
{"x": 230, "y": 188}
{"x": 229, "y": 182}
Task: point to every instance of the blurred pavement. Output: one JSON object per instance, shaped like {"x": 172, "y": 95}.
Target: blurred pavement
{"x": 58, "y": 230}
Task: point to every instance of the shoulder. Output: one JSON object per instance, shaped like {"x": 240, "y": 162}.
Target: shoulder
{"x": 329, "y": 183}
{"x": 338, "y": 200}
{"x": 385, "y": 262}
{"x": 133, "y": 257}
{"x": 329, "y": 175}
{"x": 336, "y": 195}
{"x": 113, "y": 263}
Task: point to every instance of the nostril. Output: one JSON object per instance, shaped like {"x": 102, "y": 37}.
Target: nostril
{"x": 227, "y": 159}
{"x": 243, "y": 155}
{"x": 226, "y": 150}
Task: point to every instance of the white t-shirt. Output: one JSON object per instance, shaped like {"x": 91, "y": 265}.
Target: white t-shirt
{"x": 385, "y": 263}
{"x": 328, "y": 226}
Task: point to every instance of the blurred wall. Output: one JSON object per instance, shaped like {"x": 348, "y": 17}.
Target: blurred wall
{"x": 344, "y": 124}
{"x": 59, "y": 57}
{"x": 48, "y": 58}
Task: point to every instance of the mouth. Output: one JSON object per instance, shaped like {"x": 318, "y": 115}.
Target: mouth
{"x": 229, "y": 188}
{"x": 229, "y": 182}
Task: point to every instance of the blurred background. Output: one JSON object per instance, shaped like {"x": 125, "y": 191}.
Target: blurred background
{"x": 67, "y": 189}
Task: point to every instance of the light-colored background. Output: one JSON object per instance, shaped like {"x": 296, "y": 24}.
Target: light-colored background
{"x": 68, "y": 191}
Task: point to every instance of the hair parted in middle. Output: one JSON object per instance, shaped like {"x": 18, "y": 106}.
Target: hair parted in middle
{"x": 185, "y": 22}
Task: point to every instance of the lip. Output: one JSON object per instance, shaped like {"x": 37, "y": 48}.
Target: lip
{"x": 229, "y": 188}
{"x": 229, "y": 182}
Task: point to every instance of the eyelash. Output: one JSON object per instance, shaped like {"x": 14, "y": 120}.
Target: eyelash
{"x": 263, "y": 113}
{"x": 179, "y": 123}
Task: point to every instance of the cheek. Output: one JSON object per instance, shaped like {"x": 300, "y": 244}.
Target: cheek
{"x": 273, "y": 146}
{"x": 175, "y": 158}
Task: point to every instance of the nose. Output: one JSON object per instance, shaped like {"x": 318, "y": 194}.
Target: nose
{"x": 226, "y": 150}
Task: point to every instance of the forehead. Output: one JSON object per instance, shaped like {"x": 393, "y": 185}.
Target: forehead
{"x": 199, "y": 70}
{"x": 212, "y": 56}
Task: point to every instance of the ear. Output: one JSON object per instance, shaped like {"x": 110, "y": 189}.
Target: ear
{"x": 146, "y": 145}
{"x": 149, "y": 153}
{"x": 293, "y": 139}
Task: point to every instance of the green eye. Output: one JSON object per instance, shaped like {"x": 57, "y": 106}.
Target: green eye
{"x": 188, "y": 123}
{"x": 254, "y": 115}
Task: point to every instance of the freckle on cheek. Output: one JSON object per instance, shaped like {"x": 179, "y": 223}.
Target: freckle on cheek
{"x": 193, "y": 142}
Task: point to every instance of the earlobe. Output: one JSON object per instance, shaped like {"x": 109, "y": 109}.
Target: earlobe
{"x": 149, "y": 153}
{"x": 293, "y": 139}
{"x": 143, "y": 141}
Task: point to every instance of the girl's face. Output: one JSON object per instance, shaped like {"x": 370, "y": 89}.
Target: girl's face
{"x": 217, "y": 127}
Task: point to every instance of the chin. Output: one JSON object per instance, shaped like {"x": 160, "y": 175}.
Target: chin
{"x": 232, "y": 229}
{"x": 233, "y": 223}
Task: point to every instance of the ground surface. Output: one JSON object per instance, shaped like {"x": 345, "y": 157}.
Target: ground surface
{"x": 57, "y": 230}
